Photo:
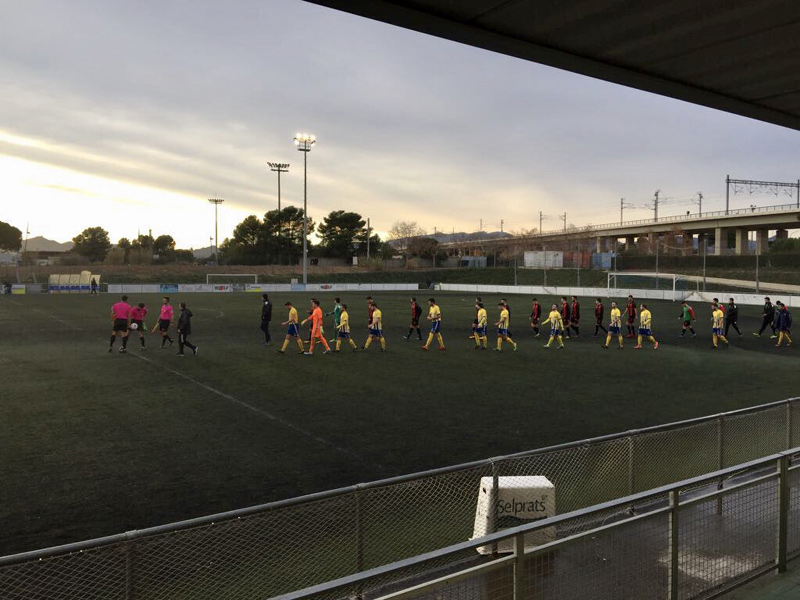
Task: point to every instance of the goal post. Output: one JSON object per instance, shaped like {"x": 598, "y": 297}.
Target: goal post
{"x": 648, "y": 280}
{"x": 231, "y": 278}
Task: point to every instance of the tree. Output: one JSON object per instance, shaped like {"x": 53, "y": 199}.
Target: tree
{"x": 142, "y": 250}
{"x": 125, "y": 245}
{"x": 92, "y": 243}
{"x": 164, "y": 246}
{"x": 10, "y": 237}
{"x": 339, "y": 233}
{"x": 278, "y": 239}
{"x": 403, "y": 233}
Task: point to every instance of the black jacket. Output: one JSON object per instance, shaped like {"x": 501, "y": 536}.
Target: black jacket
{"x": 731, "y": 313}
{"x": 769, "y": 310}
{"x": 185, "y": 322}
{"x": 266, "y": 311}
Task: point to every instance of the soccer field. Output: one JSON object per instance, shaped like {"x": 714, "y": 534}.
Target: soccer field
{"x": 97, "y": 443}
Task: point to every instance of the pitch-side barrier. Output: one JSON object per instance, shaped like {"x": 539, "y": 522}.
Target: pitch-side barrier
{"x": 181, "y": 288}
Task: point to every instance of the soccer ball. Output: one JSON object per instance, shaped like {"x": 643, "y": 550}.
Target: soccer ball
{"x": 134, "y": 326}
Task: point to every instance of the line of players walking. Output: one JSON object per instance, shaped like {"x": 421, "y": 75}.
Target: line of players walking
{"x": 563, "y": 321}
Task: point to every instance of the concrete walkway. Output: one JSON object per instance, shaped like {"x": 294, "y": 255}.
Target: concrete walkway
{"x": 785, "y": 586}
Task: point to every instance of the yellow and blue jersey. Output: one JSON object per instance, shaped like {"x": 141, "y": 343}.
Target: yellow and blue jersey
{"x": 377, "y": 322}
{"x": 645, "y": 322}
{"x": 344, "y": 324}
{"x": 556, "y": 322}
{"x": 718, "y": 321}
{"x": 483, "y": 321}
{"x": 293, "y": 319}
{"x": 505, "y": 318}
{"x": 435, "y": 315}
{"x": 616, "y": 321}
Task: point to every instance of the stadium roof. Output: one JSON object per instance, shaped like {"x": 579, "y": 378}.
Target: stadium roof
{"x": 740, "y": 56}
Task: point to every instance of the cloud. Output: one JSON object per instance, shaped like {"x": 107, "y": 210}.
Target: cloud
{"x": 194, "y": 98}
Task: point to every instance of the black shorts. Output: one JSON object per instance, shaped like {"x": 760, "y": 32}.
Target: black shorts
{"x": 163, "y": 324}
{"x": 415, "y": 322}
{"x": 139, "y": 324}
{"x": 120, "y": 325}
{"x": 687, "y": 323}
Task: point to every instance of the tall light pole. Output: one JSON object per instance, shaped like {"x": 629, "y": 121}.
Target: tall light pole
{"x": 216, "y": 202}
{"x": 279, "y": 168}
{"x": 304, "y": 141}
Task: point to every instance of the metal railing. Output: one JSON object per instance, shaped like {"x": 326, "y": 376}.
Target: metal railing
{"x": 698, "y": 538}
{"x": 587, "y": 229}
{"x": 276, "y": 548}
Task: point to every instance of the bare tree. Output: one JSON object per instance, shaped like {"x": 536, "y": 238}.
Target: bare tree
{"x": 403, "y": 233}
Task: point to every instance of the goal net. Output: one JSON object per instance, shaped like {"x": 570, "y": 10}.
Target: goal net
{"x": 647, "y": 280}
{"x": 231, "y": 278}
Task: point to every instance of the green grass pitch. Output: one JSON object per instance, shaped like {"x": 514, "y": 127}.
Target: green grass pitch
{"x": 96, "y": 443}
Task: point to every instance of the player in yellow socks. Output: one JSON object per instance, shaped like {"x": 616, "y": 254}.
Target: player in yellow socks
{"x": 783, "y": 324}
{"x": 556, "y": 327}
{"x": 614, "y": 326}
{"x": 435, "y": 317}
{"x": 376, "y": 328}
{"x": 502, "y": 329}
{"x": 718, "y": 326}
{"x": 344, "y": 329}
{"x": 292, "y": 331}
{"x": 645, "y": 328}
{"x": 479, "y": 330}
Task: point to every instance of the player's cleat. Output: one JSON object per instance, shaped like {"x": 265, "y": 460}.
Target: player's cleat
{"x": 423, "y": 347}
{"x": 442, "y": 348}
{"x": 110, "y": 348}
{"x": 123, "y": 350}
{"x": 515, "y": 348}
{"x": 773, "y": 336}
{"x": 142, "y": 349}
{"x": 477, "y": 348}
{"x": 655, "y": 346}
{"x": 756, "y": 334}
{"x": 605, "y": 347}
{"x": 306, "y": 353}
{"x": 559, "y": 347}
{"x": 637, "y": 347}
{"x": 545, "y": 346}
{"x": 179, "y": 354}
{"x": 280, "y": 351}
{"x": 196, "y": 348}
{"x": 497, "y": 350}
{"x": 327, "y": 352}
{"x": 694, "y": 335}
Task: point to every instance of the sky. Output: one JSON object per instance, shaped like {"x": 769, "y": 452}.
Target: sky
{"x": 129, "y": 115}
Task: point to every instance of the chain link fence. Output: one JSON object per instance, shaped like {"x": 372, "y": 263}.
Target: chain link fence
{"x": 275, "y": 549}
{"x": 690, "y": 540}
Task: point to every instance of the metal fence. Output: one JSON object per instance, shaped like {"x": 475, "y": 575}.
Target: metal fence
{"x": 695, "y": 539}
{"x": 277, "y": 548}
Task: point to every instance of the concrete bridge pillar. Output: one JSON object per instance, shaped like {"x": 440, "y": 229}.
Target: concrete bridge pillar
{"x": 687, "y": 244}
{"x": 762, "y": 241}
{"x": 600, "y": 245}
{"x": 630, "y": 242}
{"x": 720, "y": 241}
{"x": 741, "y": 241}
{"x": 781, "y": 234}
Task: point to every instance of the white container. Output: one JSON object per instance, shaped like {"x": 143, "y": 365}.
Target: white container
{"x": 520, "y": 500}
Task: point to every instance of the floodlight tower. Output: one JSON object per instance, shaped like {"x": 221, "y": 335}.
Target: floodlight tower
{"x": 304, "y": 141}
{"x": 279, "y": 168}
{"x": 216, "y": 202}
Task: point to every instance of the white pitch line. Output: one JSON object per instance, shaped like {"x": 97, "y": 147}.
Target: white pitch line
{"x": 67, "y": 323}
{"x": 264, "y": 413}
